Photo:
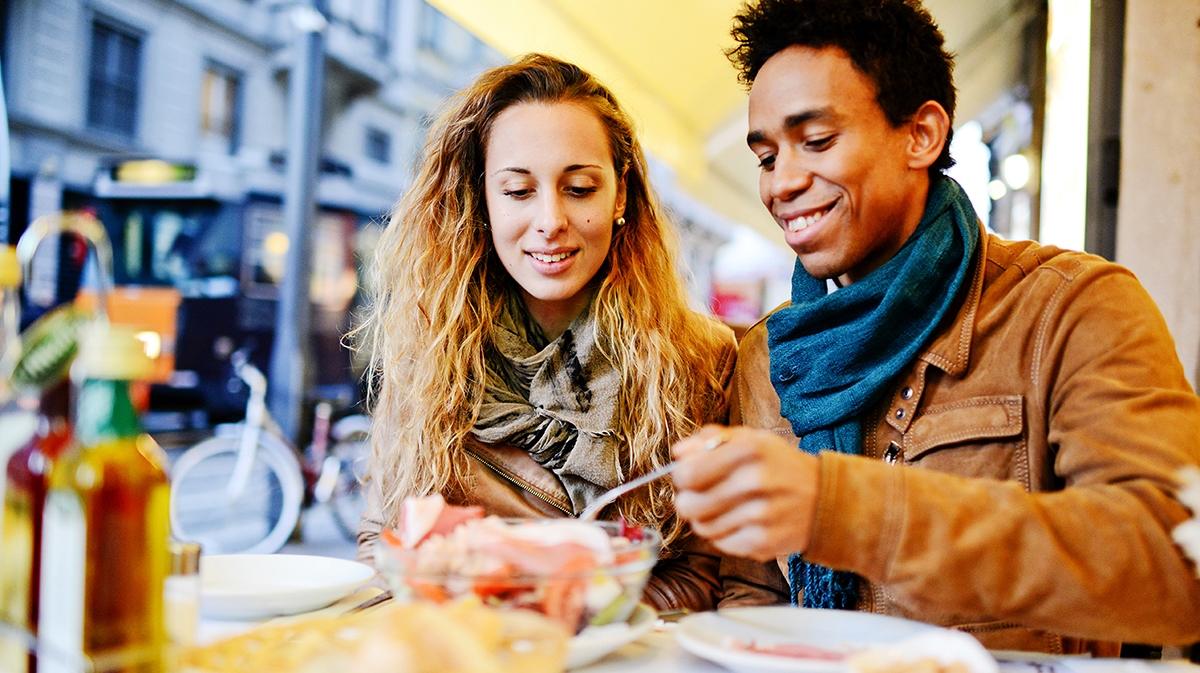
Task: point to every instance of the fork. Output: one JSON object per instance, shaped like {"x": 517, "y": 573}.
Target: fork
{"x": 590, "y": 512}
{"x": 608, "y": 497}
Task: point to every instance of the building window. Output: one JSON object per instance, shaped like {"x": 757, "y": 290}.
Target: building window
{"x": 113, "y": 80}
{"x": 368, "y": 18}
{"x": 379, "y": 145}
{"x": 433, "y": 28}
{"x": 220, "y": 94}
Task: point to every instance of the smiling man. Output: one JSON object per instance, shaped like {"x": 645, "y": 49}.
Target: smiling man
{"x": 989, "y": 431}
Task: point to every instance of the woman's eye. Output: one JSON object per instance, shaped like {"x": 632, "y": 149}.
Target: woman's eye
{"x": 581, "y": 191}
{"x": 517, "y": 193}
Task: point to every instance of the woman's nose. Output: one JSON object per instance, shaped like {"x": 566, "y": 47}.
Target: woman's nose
{"x": 553, "y": 216}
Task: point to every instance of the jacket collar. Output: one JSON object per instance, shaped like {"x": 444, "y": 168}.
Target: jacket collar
{"x": 950, "y": 350}
{"x": 516, "y": 465}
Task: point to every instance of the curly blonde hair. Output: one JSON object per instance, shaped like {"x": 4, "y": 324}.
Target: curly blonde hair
{"x": 437, "y": 289}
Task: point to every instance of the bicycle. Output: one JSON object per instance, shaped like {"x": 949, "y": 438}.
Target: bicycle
{"x": 337, "y": 473}
{"x": 242, "y": 490}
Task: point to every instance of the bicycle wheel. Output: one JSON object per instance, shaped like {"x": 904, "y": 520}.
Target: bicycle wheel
{"x": 259, "y": 521}
{"x": 348, "y": 500}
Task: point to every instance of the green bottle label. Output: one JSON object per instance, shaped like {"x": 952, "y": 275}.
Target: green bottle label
{"x": 105, "y": 413}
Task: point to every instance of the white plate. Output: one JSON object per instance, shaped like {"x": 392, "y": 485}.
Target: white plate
{"x": 257, "y": 586}
{"x": 596, "y": 641}
{"x": 707, "y": 635}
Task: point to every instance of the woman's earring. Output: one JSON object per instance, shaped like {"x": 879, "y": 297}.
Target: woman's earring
{"x": 620, "y": 222}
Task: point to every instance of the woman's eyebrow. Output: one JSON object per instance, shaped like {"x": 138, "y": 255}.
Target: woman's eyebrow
{"x": 512, "y": 169}
{"x": 526, "y": 171}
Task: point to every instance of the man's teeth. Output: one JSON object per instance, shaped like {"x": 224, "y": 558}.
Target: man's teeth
{"x": 802, "y": 223}
{"x": 557, "y": 257}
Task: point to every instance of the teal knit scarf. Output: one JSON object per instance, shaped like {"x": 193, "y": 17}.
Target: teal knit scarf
{"x": 835, "y": 355}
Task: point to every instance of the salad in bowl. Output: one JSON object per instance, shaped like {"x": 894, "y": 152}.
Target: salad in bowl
{"x": 579, "y": 573}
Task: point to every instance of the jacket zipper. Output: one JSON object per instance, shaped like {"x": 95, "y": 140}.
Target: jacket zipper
{"x": 524, "y": 486}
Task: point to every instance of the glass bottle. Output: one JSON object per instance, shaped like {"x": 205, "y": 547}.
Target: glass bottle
{"x": 105, "y": 522}
{"x": 18, "y": 420}
{"x": 26, "y": 480}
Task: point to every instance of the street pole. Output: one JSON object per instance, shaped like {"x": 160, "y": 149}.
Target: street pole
{"x": 290, "y": 356}
{"x": 5, "y": 166}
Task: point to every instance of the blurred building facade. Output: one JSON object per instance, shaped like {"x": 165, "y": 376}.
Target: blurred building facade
{"x": 166, "y": 118}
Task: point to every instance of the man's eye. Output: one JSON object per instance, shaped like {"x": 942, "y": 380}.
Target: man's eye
{"x": 819, "y": 144}
{"x": 767, "y": 163}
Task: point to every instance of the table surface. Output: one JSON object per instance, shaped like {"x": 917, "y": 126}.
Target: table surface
{"x": 658, "y": 652}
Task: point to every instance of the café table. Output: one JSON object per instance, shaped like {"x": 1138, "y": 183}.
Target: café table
{"x": 658, "y": 651}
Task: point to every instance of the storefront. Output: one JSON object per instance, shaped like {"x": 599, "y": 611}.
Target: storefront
{"x": 223, "y": 259}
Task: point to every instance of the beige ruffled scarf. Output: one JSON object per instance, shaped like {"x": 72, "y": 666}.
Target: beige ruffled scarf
{"x": 557, "y": 400}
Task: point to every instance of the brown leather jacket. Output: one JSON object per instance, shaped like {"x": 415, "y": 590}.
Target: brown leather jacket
{"x": 1017, "y": 482}
{"x": 507, "y": 482}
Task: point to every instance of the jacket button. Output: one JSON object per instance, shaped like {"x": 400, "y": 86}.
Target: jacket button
{"x": 900, "y": 412}
{"x": 907, "y": 393}
{"x": 893, "y": 452}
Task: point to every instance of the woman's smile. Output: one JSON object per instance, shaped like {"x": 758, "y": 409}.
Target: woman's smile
{"x": 551, "y": 263}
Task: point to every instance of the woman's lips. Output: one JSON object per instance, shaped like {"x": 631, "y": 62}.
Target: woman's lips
{"x": 550, "y": 263}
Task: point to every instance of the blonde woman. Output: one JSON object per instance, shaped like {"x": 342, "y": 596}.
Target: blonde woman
{"x": 529, "y": 337}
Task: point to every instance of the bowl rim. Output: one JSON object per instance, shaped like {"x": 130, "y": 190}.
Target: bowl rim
{"x": 386, "y": 557}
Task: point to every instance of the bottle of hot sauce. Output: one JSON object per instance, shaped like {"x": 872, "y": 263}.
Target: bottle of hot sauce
{"x": 105, "y": 522}
{"x": 27, "y": 476}
{"x": 42, "y": 392}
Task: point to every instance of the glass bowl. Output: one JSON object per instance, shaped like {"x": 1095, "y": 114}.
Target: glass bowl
{"x": 575, "y": 594}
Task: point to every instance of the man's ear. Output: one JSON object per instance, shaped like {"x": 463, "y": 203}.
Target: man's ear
{"x": 928, "y": 129}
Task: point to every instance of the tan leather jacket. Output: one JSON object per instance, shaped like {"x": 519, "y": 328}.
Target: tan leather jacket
{"x": 507, "y": 482}
{"x": 1017, "y": 482}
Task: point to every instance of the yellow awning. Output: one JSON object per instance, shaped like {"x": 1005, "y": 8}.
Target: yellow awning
{"x": 664, "y": 59}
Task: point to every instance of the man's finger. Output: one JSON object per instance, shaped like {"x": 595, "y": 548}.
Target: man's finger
{"x": 706, "y": 439}
{"x": 743, "y": 484}
{"x": 703, "y": 471}
{"x": 747, "y": 514}
{"x": 752, "y": 543}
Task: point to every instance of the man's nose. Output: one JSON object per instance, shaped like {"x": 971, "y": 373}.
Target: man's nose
{"x": 790, "y": 176}
{"x": 553, "y": 216}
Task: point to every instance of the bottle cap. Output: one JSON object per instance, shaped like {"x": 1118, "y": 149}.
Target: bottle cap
{"x": 185, "y": 557}
{"x": 112, "y": 352}
{"x": 10, "y": 267}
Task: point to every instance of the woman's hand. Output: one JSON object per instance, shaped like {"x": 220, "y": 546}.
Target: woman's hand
{"x": 749, "y": 491}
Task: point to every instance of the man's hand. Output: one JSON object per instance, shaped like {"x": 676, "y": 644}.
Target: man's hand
{"x": 753, "y": 494}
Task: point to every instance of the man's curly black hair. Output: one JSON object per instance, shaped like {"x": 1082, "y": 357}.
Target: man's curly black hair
{"x": 893, "y": 42}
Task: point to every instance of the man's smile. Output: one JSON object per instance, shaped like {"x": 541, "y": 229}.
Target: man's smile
{"x": 801, "y": 220}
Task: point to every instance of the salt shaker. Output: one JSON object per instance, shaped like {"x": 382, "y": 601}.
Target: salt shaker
{"x": 181, "y": 593}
